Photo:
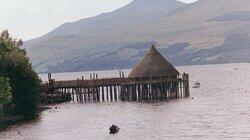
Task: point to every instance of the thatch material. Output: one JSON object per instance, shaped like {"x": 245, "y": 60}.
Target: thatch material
{"x": 154, "y": 65}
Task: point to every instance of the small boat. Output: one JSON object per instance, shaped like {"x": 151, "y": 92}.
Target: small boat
{"x": 197, "y": 85}
{"x": 114, "y": 129}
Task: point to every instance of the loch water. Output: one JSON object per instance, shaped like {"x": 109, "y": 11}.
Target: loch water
{"x": 219, "y": 109}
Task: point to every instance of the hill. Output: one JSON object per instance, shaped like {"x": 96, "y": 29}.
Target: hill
{"x": 204, "y": 32}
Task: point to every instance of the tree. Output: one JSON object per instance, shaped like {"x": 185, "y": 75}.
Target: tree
{"x": 5, "y": 93}
{"x": 24, "y": 80}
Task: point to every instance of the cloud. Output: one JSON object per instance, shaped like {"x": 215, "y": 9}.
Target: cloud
{"x": 33, "y": 10}
{"x": 63, "y": 8}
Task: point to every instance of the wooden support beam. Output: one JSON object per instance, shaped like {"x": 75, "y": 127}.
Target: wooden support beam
{"x": 107, "y": 93}
{"x": 88, "y": 93}
{"x": 123, "y": 93}
{"x": 139, "y": 92}
{"x": 115, "y": 93}
{"x": 103, "y": 98}
{"x": 134, "y": 93}
{"x": 73, "y": 94}
{"x": 111, "y": 93}
{"x": 98, "y": 94}
{"x": 85, "y": 94}
{"x": 127, "y": 93}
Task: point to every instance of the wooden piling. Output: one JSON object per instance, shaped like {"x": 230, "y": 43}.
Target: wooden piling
{"x": 107, "y": 93}
{"x": 125, "y": 89}
{"x": 115, "y": 93}
{"x": 103, "y": 98}
{"x": 98, "y": 94}
{"x": 123, "y": 93}
{"x": 111, "y": 93}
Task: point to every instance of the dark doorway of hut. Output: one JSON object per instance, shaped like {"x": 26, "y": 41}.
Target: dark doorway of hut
{"x": 152, "y": 79}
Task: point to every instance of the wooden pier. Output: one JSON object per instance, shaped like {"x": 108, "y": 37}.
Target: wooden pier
{"x": 152, "y": 79}
{"x": 125, "y": 89}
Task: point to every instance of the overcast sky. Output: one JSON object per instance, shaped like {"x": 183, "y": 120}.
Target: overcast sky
{"x": 28, "y": 19}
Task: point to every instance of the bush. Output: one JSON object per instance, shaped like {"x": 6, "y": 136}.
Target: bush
{"x": 24, "y": 80}
{"x": 5, "y": 94}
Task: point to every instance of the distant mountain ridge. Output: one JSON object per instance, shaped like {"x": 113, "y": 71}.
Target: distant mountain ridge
{"x": 204, "y": 32}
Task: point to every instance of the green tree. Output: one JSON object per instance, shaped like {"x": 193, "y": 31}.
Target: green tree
{"x": 24, "y": 80}
{"x": 5, "y": 93}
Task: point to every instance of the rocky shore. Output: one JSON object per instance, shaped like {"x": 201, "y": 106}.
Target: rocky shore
{"x": 55, "y": 98}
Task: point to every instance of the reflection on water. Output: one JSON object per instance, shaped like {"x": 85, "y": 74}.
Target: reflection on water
{"x": 220, "y": 109}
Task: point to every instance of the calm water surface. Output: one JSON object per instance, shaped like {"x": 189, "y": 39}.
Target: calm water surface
{"x": 220, "y": 109}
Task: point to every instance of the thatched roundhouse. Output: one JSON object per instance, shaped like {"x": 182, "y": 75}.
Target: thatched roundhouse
{"x": 152, "y": 79}
{"x": 154, "y": 65}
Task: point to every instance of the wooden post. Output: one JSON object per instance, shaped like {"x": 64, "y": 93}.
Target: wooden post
{"x": 88, "y": 92}
{"x": 94, "y": 94}
{"x": 80, "y": 94}
{"x": 130, "y": 92}
{"x": 154, "y": 89}
{"x": 85, "y": 94}
{"x": 77, "y": 91}
{"x": 123, "y": 93}
{"x": 171, "y": 90}
{"x": 107, "y": 93}
{"x": 158, "y": 91}
{"x": 72, "y": 93}
{"x": 76, "y": 94}
{"x": 82, "y": 89}
{"x": 49, "y": 77}
{"x": 120, "y": 74}
{"x": 167, "y": 90}
{"x": 111, "y": 93}
{"x": 103, "y": 99}
{"x": 139, "y": 92}
{"x": 177, "y": 89}
{"x": 98, "y": 94}
{"x": 174, "y": 88}
{"x": 115, "y": 93}
{"x": 181, "y": 90}
{"x": 133, "y": 92}
{"x": 162, "y": 91}
{"x": 187, "y": 77}
{"x": 145, "y": 92}
{"x": 127, "y": 96}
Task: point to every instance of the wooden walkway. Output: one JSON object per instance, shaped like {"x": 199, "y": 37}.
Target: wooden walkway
{"x": 125, "y": 89}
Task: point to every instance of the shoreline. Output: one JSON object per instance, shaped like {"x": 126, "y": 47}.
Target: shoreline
{"x": 11, "y": 120}
{"x": 45, "y": 100}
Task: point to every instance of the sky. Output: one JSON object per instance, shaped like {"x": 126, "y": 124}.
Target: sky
{"x": 28, "y": 19}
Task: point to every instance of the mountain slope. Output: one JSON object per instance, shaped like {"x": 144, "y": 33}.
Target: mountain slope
{"x": 104, "y": 32}
{"x": 203, "y": 32}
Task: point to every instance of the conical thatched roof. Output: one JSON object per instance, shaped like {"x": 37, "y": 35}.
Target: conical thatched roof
{"x": 154, "y": 65}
